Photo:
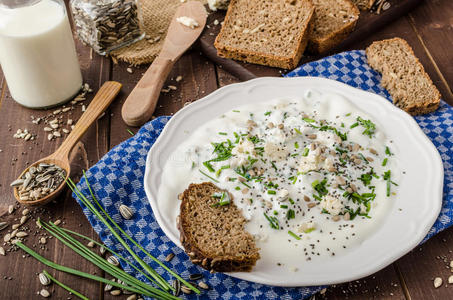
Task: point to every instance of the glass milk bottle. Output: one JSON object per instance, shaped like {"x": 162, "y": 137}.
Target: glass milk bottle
{"x": 37, "y": 52}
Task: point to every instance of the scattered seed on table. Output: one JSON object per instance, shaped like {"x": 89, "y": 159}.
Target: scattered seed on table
{"x": 450, "y": 279}
{"x": 203, "y": 285}
{"x": 15, "y": 226}
{"x": 437, "y": 282}
{"x": 2, "y": 251}
{"x": 169, "y": 257}
{"x": 43, "y": 240}
{"x": 186, "y": 290}
{"x": 21, "y": 234}
{"x": 57, "y": 222}
{"x": 113, "y": 260}
{"x": 45, "y": 293}
{"x": 115, "y": 292}
{"x": 25, "y": 212}
{"x": 91, "y": 244}
{"x": 108, "y": 288}
{"x": 132, "y": 297}
{"x": 195, "y": 276}
{"x": 10, "y": 209}
{"x": 23, "y": 220}
{"x": 7, "y": 237}
{"x": 177, "y": 286}
{"x": 102, "y": 250}
{"x": 43, "y": 279}
{"x": 125, "y": 211}
{"x": 3, "y": 225}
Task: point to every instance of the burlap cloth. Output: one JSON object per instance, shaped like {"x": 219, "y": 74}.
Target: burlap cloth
{"x": 157, "y": 15}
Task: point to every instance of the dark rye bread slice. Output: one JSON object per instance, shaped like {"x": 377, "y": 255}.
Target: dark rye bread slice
{"x": 272, "y": 33}
{"x": 332, "y": 23}
{"x": 364, "y": 4}
{"x": 403, "y": 76}
{"x": 214, "y": 236}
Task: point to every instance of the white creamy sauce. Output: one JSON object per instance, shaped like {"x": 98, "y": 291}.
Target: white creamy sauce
{"x": 291, "y": 154}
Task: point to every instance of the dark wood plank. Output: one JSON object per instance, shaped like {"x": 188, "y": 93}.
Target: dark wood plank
{"x": 433, "y": 23}
{"x": 198, "y": 80}
{"x": 16, "y": 155}
{"x": 384, "y": 284}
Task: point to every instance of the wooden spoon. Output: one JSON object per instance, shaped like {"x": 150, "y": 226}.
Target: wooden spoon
{"x": 140, "y": 104}
{"x": 100, "y": 102}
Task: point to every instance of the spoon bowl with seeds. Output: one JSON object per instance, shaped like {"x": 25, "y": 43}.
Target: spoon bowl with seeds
{"x": 44, "y": 180}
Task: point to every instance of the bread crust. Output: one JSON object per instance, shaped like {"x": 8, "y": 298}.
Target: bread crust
{"x": 412, "y": 107}
{"x": 225, "y": 263}
{"x": 288, "y": 62}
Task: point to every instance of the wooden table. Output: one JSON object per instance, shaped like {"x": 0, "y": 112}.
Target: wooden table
{"x": 429, "y": 29}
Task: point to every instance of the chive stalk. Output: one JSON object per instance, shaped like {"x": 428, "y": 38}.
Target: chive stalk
{"x": 65, "y": 286}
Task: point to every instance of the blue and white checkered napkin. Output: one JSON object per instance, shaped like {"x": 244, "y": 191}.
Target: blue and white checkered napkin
{"x": 118, "y": 179}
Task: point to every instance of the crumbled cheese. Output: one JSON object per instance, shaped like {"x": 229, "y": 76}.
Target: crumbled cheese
{"x": 186, "y": 21}
{"x": 307, "y": 227}
{"x": 242, "y": 151}
{"x": 310, "y": 162}
{"x": 282, "y": 195}
{"x": 218, "y": 4}
{"x": 332, "y": 204}
{"x": 275, "y": 152}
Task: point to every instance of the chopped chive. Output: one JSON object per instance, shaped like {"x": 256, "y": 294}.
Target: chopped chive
{"x": 193, "y": 165}
{"x": 245, "y": 184}
{"x": 387, "y": 151}
{"x": 296, "y": 145}
{"x": 290, "y": 214}
{"x": 208, "y": 166}
{"x": 308, "y": 120}
{"x": 348, "y": 114}
{"x": 298, "y": 131}
{"x": 293, "y": 235}
{"x": 364, "y": 158}
{"x": 283, "y": 206}
{"x": 223, "y": 133}
{"x": 384, "y": 162}
{"x": 224, "y": 199}
{"x": 213, "y": 179}
{"x": 232, "y": 179}
{"x": 305, "y": 153}
{"x": 274, "y": 166}
{"x": 267, "y": 113}
{"x": 271, "y": 192}
{"x": 354, "y": 125}
{"x": 291, "y": 200}
{"x": 273, "y": 221}
{"x": 130, "y": 132}
{"x": 234, "y": 110}
{"x": 275, "y": 212}
{"x": 238, "y": 188}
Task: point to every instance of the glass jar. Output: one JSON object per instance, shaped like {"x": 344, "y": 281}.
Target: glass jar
{"x": 37, "y": 52}
{"x": 106, "y": 25}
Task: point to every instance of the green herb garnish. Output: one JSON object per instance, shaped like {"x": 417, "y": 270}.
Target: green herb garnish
{"x": 224, "y": 199}
{"x": 293, "y": 235}
{"x": 273, "y": 221}
{"x": 290, "y": 214}
{"x": 305, "y": 153}
{"x": 369, "y": 126}
{"x": 267, "y": 113}
{"x": 384, "y": 162}
{"x": 223, "y": 133}
{"x": 387, "y": 151}
{"x": 271, "y": 192}
{"x": 320, "y": 187}
{"x": 387, "y": 176}
{"x": 283, "y": 206}
{"x": 212, "y": 178}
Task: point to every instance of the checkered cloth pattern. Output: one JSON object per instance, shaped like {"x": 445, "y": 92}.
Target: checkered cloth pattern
{"x": 118, "y": 179}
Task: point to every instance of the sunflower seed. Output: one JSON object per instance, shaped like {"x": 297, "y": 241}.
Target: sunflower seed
{"x": 126, "y": 292}
{"x": 108, "y": 288}
{"x": 43, "y": 240}
{"x": 21, "y": 234}
{"x": 437, "y": 282}
{"x": 126, "y": 212}
{"x": 102, "y": 250}
{"x": 113, "y": 260}
{"x": 17, "y": 182}
{"x": 10, "y": 209}
{"x": 115, "y": 292}
{"x": 13, "y": 233}
{"x": 195, "y": 276}
{"x": 91, "y": 244}
{"x": 7, "y": 237}
{"x": 203, "y": 285}
{"x": 25, "y": 212}
{"x": 23, "y": 219}
{"x": 57, "y": 222}
{"x": 186, "y": 290}
{"x": 45, "y": 293}
{"x": 44, "y": 279}
{"x": 2, "y": 251}
{"x": 3, "y": 225}
{"x": 177, "y": 286}
{"x": 169, "y": 257}
{"x": 132, "y": 297}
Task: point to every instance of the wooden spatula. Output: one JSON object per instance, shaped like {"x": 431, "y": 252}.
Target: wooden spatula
{"x": 140, "y": 104}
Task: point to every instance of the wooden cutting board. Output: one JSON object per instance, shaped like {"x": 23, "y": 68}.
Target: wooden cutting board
{"x": 369, "y": 22}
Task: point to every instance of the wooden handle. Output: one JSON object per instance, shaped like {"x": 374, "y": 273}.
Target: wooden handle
{"x": 100, "y": 102}
{"x": 142, "y": 101}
